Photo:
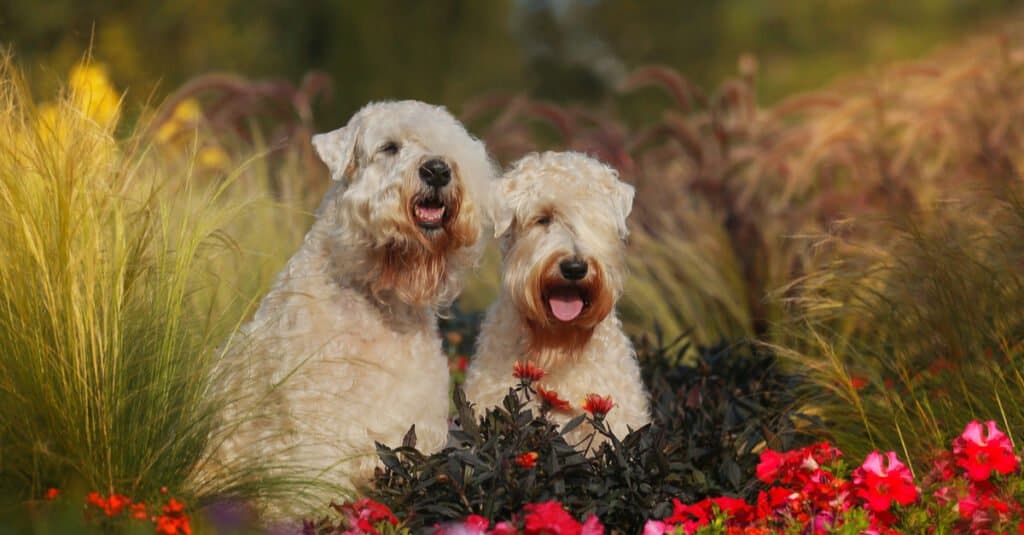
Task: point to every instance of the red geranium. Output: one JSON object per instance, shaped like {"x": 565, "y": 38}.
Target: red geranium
{"x": 880, "y": 484}
{"x": 549, "y": 518}
{"x": 369, "y": 513}
{"x": 979, "y": 454}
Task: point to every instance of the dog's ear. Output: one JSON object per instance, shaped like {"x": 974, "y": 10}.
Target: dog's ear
{"x": 499, "y": 208}
{"x": 337, "y": 149}
{"x": 624, "y": 205}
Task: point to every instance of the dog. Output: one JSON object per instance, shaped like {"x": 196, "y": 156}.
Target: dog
{"x": 561, "y": 219}
{"x": 344, "y": 350}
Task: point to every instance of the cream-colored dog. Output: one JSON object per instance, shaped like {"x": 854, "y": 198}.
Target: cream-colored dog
{"x": 344, "y": 350}
{"x": 561, "y": 218}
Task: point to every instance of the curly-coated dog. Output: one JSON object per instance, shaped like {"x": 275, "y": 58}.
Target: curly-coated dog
{"x": 344, "y": 350}
{"x": 561, "y": 218}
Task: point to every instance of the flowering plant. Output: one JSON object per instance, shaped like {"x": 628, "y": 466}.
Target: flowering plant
{"x": 115, "y": 510}
{"x": 709, "y": 416}
{"x": 970, "y": 489}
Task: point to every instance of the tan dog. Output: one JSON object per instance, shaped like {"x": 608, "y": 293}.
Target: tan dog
{"x": 561, "y": 218}
{"x": 344, "y": 350}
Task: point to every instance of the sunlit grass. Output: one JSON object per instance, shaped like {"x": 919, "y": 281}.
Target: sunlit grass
{"x": 121, "y": 277}
{"x": 906, "y": 343}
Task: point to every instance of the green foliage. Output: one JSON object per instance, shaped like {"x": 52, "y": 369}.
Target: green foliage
{"x": 709, "y": 420}
{"x": 117, "y": 291}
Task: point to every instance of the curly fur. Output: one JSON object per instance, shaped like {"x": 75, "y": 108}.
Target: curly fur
{"x": 344, "y": 349}
{"x": 548, "y": 208}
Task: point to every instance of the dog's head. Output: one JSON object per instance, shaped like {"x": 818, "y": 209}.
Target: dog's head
{"x": 410, "y": 179}
{"x": 561, "y": 218}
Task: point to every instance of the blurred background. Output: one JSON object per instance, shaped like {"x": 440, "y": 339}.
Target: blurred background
{"x": 448, "y": 51}
{"x": 837, "y": 180}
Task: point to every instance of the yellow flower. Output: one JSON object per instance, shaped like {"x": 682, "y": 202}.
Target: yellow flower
{"x": 186, "y": 114}
{"x": 93, "y": 95}
{"x": 213, "y": 158}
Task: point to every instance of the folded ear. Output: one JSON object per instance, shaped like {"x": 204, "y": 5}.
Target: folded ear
{"x": 624, "y": 205}
{"x": 337, "y": 149}
{"x": 499, "y": 208}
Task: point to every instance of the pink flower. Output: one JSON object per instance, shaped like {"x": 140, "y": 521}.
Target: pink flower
{"x": 592, "y": 526}
{"x": 978, "y": 454}
{"x": 879, "y": 484}
{"x": 504, "y": 528}
{"x": 656, "y": 527}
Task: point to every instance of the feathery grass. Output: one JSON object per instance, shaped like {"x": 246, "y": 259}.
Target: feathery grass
{"x": 121, "y": 277}
{"x": 907, "y": 342}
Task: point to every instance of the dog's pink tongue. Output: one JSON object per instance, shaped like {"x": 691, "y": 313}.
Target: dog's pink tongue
{"x": 566, "y": 306}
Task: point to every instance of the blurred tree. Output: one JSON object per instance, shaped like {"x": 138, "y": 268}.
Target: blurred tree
{"x": 448, "y": 51}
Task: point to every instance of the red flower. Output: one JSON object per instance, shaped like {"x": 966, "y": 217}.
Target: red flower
{"x": 139, "y": 511}
{"x": 169, "y": 525}
{"x": 527, "y": 460}
{"x": 173, "y": 521}
{"x": 879, "y": 485}
{"x": 477, "y": 523}
{"x": 115, "y": 503}
{"x": 504, "y": 528}
{"x": 943, "y": 467}
{"x": 459, "y": 365}
{"x": 770, "y": 465}
{"x": 549, "y": 399}
{"x": 370, "y": 513}
{"x": 174, "y": 508}
{"x": 52, "y": 493}
{"x": 598, "y": 405}
{"x": 96, "y": 500}
{"x": 549, "y": 518}
{"x": 111, "y": 506}
{"x": 691, "y": 517}
{"x": 978, "y": 454}
{"x": 527, "y": 371}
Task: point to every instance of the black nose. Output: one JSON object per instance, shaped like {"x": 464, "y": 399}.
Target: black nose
{"x": 436, "y": 173}
{"x": 573, "y": 269}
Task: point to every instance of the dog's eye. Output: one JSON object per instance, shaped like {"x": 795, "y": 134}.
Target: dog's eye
{"x": 390, "y": 148}
{"x": 543, "y": 220}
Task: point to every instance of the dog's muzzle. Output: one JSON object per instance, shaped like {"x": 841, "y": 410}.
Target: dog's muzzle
{"x": 429, "y": 208}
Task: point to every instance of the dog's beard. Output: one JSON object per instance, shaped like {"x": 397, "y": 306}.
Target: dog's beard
{"x": 416, "y": 263}
{"x": 561, "y": 315}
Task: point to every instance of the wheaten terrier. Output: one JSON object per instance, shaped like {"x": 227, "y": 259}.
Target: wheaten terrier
{"x": 561, "y": 218}
{"x": 344, "y": 350}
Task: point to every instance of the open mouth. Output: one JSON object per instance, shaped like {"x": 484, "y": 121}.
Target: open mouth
{"x": 429, "y": 212}
{"x": 566, "y": 302}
